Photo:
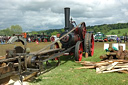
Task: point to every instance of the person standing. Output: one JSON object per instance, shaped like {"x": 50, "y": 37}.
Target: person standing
{"x": 29, "y": 40}
{"x": 117, "y": 39}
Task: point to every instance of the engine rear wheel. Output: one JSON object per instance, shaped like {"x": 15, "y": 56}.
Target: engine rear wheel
{"x": 78, "y": 51}
{"x": 91, "y": 44}
{"x": 82, "y": 31}
{"x": 86, "y": 43}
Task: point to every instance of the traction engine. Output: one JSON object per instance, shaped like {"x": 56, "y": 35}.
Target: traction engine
{"x": 83, "y": 40}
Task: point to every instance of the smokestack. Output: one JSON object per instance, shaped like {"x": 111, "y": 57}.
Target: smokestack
{"x": 67, "y": 17}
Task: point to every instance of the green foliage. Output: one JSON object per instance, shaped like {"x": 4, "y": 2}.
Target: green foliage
{"x": 105, "y": 28}
{"x": 125, "y": 33}
{"x": 33, "y": 33}
{"x": 62, "y": 30}
{"x": 14, "y": 29}
{"x": 50, "y": 31}
{"x": 119, "y": 32}
{"x": 122, "y": 32}
{"x": 54, "y": 33}
{"x": 113, "y": 33}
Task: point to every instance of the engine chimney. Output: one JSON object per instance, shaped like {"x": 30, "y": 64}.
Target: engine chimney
{"x": 67, "y": 17}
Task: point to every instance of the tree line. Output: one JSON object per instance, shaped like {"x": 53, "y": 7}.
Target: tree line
{"x": 14, "y": 29}
{"x": 17, "y": 29}
{"x": 48, "y": 32}
{"x": 107, "y": 27}
{"x": 104, "y": 28}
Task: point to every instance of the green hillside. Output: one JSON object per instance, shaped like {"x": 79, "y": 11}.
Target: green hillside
{"x": 119, "y": 28}
{"x": 118, "y": 32}
{"x": 111, "y": 29}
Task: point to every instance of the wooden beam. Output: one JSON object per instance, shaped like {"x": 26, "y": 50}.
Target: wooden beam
{"x": 111, "y": 66}
{"x": 2, "y": 57}
{"x": 84, "y": 67}
{"x": 115, "y": 70}
{"x": 29, "y": 76}
{"x": 123, "y": 72}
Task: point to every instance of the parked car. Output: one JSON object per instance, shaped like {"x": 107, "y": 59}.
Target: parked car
{"x": 121, "y": 37}
{"x": 100, "y": 37}
{"x": 112, "y": 38}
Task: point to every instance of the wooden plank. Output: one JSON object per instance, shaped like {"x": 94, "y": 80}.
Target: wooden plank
{"x": 2, "y": 57}
{"x": 29, "y": 76}
{"x": 115, "y": 70}
{"x": 49, "y": 51}
{"x": 83, "y": 62}
{"x": 100, "y": 69}
{"x": 111, "y": 53}
{"x": 122, "y": 64}
{"x": 88, "y": 64}
{"x": 102, "y": 63}
{"x": 123, "y": 72}
{"x": 117, "y": 60}
{"x": 109, "y": 67}
{"x": 121, "y": 67}
{"x": 85, "y": 67}
{"x": 10, "y": 59}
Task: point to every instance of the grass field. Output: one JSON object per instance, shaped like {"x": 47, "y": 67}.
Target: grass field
{"x": 33, "y": 46}
{"x": 66, "y": 74}
{"x": 122, "y": 31}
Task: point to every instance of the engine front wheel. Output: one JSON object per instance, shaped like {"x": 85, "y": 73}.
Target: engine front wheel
{"x": 55, "y": 46}
{"x": 78, "y": 51}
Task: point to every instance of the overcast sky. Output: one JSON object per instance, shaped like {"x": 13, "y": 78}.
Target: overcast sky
{"x": 49, "y": 14}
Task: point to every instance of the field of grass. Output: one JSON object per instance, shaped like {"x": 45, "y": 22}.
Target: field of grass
{"x": 66, "y": 74}
{"x": 122, "y": 31}
{"x": 33, "y": 46}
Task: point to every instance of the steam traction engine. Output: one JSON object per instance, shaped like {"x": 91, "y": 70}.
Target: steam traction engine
{"x": 83, "y": 41}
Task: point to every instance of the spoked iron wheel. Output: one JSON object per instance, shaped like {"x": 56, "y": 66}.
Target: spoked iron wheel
{"x": 91, "y": 44}
{"x": 56, "y": 45}
{"x": 78, "y": 51}
{"x": 86, "y": 43}
{"x": 82, "y": 31}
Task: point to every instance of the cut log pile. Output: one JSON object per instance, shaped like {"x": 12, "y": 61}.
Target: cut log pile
{"x": 115, "y": 54}
{"x": 106, "y": 66}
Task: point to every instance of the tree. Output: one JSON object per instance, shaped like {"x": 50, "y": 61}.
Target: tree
{"x": 16, "y": 29}
{"x": 7, "y": 32}
{"x": 113, "y": 33}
